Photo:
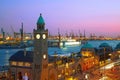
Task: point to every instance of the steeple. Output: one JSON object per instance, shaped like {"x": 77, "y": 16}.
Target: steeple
{"x": 40, "y": 23}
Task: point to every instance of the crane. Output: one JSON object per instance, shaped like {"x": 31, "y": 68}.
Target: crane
{"x": 14, "y": 33}
{"x": 21, "y": 31}
{"x": 3, "y": 33}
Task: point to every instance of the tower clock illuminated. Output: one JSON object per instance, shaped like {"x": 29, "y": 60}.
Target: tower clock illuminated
{"x": 44, "y": 36}
{"x": 44, "y": 56}
{"x": 37, "y": 36}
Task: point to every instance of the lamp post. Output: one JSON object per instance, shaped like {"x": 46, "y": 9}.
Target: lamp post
{"x": 104, "y": 61}
{"x": 86, "y": 77}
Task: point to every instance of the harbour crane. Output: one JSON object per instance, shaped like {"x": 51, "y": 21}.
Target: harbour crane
{"x": 21, "y": 31}
{"x": 3, "y": 33}
{"x": 14, "y": 33}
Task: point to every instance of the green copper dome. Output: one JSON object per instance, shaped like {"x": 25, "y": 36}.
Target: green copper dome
{"x": 118, "y": 46}
{"x": 87, "y": 46}
{"x": 40, "y": 20}
{"x": 104, "y": 45}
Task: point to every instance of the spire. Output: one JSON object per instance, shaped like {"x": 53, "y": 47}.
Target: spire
{"x": 40, "y": 14}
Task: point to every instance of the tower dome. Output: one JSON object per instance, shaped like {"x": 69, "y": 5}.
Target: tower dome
{"x": 117, "y": 46}
{"x": 104, "y": 45}
{"x": 40, "y": 23}
{"x": 87, "y": 46}
{"x": 40, "y": 20}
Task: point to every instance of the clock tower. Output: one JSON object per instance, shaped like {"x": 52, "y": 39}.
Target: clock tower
{"x": 40, "y": 58}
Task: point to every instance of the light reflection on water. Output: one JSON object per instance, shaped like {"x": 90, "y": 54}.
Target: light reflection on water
{"x": 6, "y": 53}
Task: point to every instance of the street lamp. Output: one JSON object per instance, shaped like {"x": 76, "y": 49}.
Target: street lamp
{"x": 104, "y": 61}
{"x": 86, "y": 77}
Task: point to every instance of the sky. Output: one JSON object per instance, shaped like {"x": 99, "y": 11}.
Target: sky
{"x": 100, "y": 17}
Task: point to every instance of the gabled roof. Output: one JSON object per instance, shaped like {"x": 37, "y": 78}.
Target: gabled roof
{"x": 20, "y": 56}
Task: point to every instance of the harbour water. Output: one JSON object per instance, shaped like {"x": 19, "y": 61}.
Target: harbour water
{"x": 6, "y": 53}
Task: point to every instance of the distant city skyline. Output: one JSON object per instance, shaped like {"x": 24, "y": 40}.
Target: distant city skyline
{"x": 100, "y": 17}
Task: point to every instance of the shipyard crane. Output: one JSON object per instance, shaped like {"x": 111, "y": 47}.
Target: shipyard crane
{"x": 59, "y": 37}
{"x": 8, "y": 34}
{"x": 80, "y": 35}
{"x": 84, "y": 34}
{"x": 21, "y": 31}
{"x": 66, "y": 34}
{"x": 3, "y": 33}
{"x": 14, "y": 33}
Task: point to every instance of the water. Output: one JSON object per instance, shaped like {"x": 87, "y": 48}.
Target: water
{"x": 6, "y": 53}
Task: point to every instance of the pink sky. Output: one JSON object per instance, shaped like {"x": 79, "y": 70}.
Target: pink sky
{"x": 101, "y": 17}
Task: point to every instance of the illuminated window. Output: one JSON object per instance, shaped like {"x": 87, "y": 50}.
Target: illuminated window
{"x": 59, "y": 75}
{"x": 73, "y": 70}
{"x": 20, "y": 63}
{"x": 14, "y": 63}
{"x": 118, "y": 51}
{"x": 66, "y": 73}
{"x": 27, "y": 64}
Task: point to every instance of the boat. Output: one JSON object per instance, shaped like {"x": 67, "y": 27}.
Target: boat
{"x": 63, "y": 43}
{"x": 69, "y": 42}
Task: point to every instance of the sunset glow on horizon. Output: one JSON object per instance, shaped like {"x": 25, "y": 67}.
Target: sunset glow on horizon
{"x": 101, "y": 17}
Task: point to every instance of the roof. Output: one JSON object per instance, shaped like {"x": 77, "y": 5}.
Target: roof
{"x": 104, "y": 45}
{"x": 19, "y": 56}
{"x": 40, "y": 20}
{"x": 87, "y": 45}
{"x": 117, "y": 46}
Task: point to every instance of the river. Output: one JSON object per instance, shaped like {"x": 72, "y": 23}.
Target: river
{"x": 6, "y": 53}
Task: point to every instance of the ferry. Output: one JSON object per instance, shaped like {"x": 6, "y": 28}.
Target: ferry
{"x": 63, "y": 43}
{"x": 70, "y": 42}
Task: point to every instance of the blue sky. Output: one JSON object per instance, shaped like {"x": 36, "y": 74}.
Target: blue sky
{"x": 95, "y": 16}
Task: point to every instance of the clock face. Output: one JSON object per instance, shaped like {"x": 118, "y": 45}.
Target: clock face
{"x": 44, "y": 56}
{"x": 38, "y": 36}
{"x": 44, "y": 36}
